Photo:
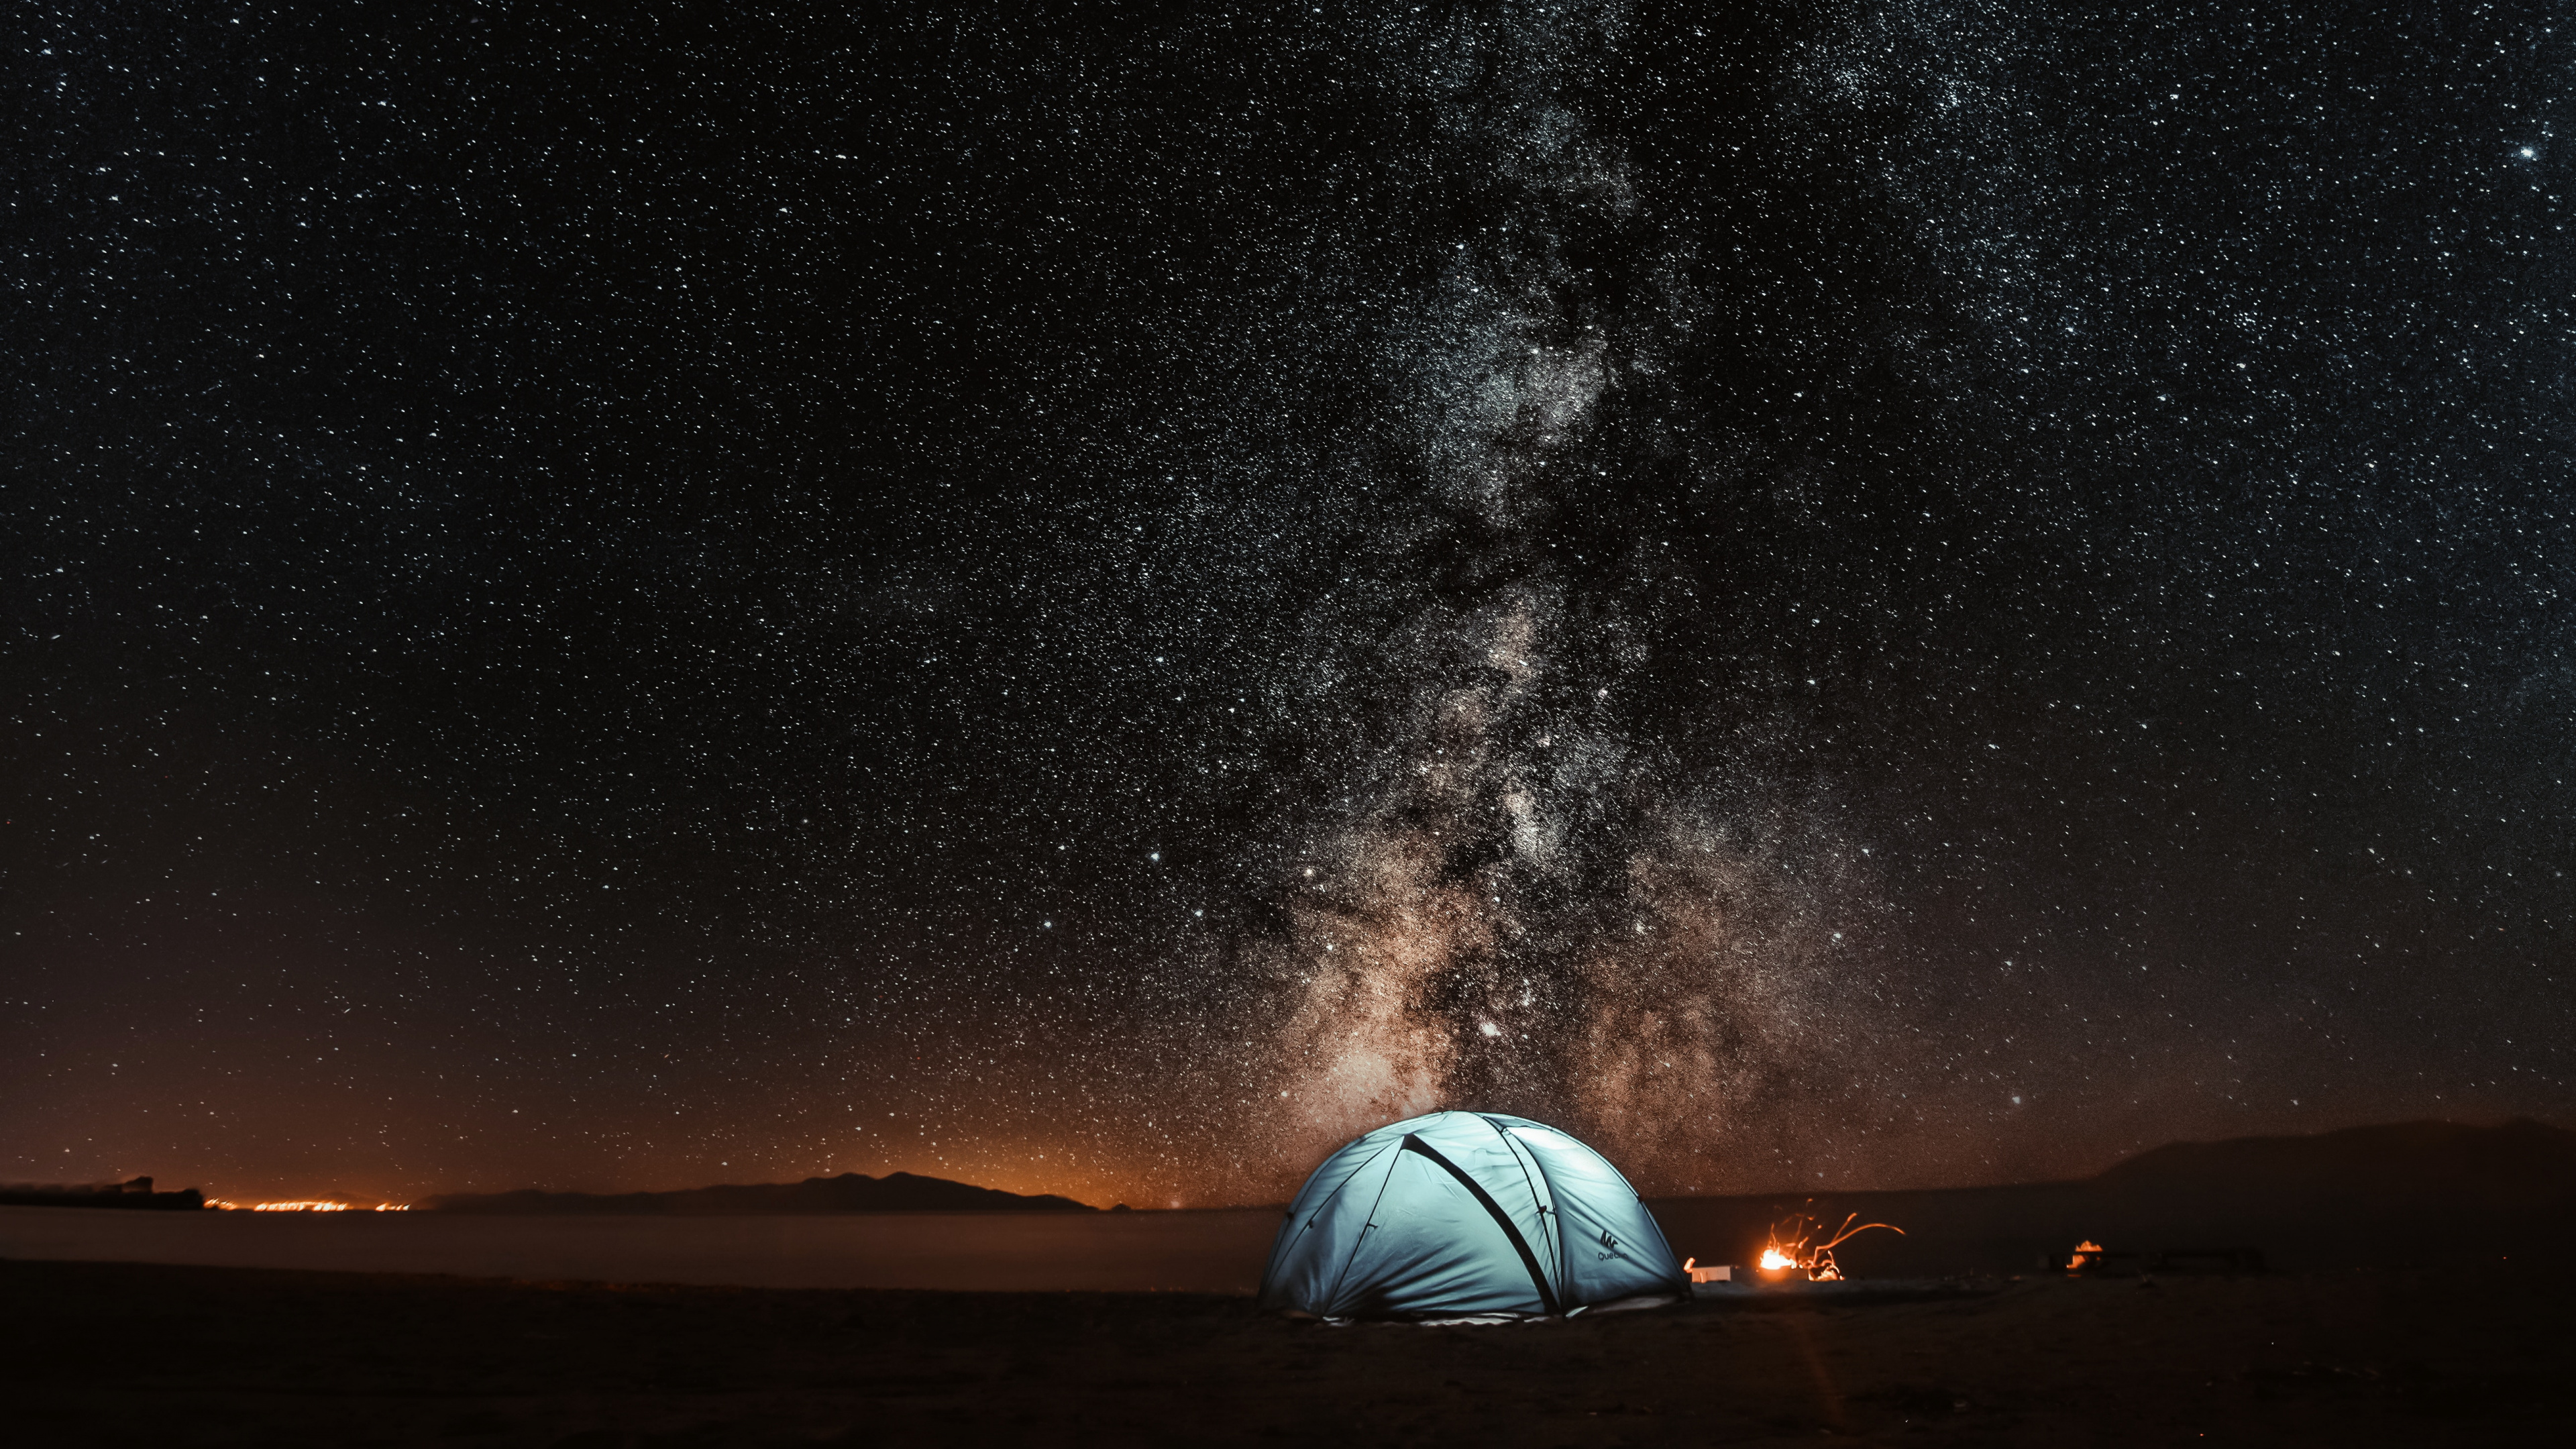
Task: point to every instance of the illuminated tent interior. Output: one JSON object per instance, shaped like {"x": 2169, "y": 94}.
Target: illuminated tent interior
{"x": 1466, "y": 1213}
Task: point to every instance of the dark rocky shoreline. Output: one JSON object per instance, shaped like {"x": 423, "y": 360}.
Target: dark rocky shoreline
{"x": 134, "y": 1194}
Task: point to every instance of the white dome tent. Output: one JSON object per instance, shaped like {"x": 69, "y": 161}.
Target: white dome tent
{"x": 1460, "y": 1214}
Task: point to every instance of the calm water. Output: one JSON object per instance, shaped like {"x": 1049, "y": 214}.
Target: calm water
{"x": 1205, "y": 1252}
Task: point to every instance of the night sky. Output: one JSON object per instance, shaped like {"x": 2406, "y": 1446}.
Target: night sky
{"x": 1096, "y": 598}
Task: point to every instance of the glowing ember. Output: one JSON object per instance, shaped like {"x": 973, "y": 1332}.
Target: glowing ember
{"x": 2087, "y": 1251}
{"x": 1787, "y": 1252}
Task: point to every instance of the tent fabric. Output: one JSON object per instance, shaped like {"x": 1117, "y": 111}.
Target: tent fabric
{"x": 1460, "y": 1213}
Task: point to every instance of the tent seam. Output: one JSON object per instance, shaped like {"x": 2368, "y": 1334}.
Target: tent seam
{"x": 1367, "y": 1224}
{"x": 1683, "y": 1284}
{"x": 1547, "y": 1298}
{"x": 1547, "y": 1209}
{"x": 1564, "y": 1258}
{"x": 1288, "y": 1241}
{"x": 1345, "y": 1182}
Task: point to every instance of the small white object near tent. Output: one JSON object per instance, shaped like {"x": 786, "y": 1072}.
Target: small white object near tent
{"x": 1460, "y": 1214}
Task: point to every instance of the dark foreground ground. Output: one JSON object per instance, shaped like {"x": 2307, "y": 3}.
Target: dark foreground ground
{"x": 148, "y": 1353}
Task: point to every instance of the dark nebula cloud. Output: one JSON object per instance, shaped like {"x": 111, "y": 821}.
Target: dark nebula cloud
{"x": 1095, "y": 598}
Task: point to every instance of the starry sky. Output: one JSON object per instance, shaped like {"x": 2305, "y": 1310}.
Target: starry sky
{"x": 1098, "y": 597}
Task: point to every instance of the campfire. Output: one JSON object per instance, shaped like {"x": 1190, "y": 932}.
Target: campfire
{"x": 1793, "y": 1249}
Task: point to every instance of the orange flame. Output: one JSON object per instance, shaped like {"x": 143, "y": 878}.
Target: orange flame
{"x": 2084, "y": 1253}
{"x": 1817, "y": 1261}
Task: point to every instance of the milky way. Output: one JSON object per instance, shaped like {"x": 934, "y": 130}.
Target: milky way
{"x": 1517, "y": 903}
{"x": 1095, "y": 598}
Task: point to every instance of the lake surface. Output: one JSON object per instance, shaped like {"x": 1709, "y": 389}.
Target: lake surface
{"x": 2301, "y": 1222}
{"x": 1201, "y": 1252}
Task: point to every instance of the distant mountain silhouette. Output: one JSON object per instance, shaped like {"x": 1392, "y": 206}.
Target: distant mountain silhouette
{"x": 2517, "y": 1165}
{"x": 851, "y": 1192}
{"x": 2406, "y": 1193}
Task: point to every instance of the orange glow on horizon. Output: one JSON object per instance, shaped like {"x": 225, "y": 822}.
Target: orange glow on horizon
{"x": 306, "y": 1205}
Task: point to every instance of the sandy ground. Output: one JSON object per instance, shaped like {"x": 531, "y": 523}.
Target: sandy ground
{"x": 247, "y": 1356}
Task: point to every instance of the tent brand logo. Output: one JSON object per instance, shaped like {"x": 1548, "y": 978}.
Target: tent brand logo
{"x": 1608, "y": 1241}
{"x": 1609, "y": 1248}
